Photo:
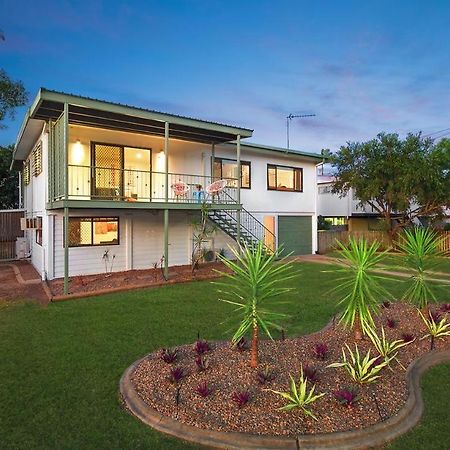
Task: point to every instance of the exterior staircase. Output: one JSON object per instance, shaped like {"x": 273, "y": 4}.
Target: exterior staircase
{"x": 252, "y": 230}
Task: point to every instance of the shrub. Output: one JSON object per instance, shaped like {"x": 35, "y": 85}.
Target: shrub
{"x": 169, "y": 356}
{"x": 201, "y": 347}
{"x": 202, "y": 363}
{"x": 408, "y": 337}
{"x": 310, "y": 373}
{"x": 391, "y": 323}
{"x": 445, "y": 307}
{"x": 347, "y": 396}
{"x": 241, "y": 398}
{"x": 421, "y": 248}
{"x": 203, "y": 389}
{"x": 299, "y": 396}
{"x": 265, "y": 376}
{"x": 387, "y": 350}
{"x": 321, "y": 350}
{"x": 256, "y": 278}
{"x": 176, "y": 374}
{"x": 436, "y": 330}
{"x": 359, "y": 286}
{"x": 241, "y": 345}
{"x": 363, "y": 370}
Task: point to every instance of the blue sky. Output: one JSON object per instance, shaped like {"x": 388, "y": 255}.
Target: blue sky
{"x": 362, "y": 66}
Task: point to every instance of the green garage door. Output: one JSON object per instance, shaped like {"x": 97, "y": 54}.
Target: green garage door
{"x": 295, "y": 234}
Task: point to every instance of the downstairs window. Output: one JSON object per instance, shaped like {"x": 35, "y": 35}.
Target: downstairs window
{"x": 89, "y": 231}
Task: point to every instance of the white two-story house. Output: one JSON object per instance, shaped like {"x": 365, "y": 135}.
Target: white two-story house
{"x": 99, "y": 176}
{"x": 344, "y": 211}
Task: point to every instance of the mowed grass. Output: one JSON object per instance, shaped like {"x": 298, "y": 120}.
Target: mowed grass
{"x": 396, "y": 262}
{"x": 60, "y": 365}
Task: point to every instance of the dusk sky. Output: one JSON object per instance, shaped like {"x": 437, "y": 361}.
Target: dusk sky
{"x": 361, "y": 66}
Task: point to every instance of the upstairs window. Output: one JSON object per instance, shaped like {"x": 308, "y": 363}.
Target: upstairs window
{"x": 37, "y": 160}
{"x": 284, "y": 178}
{"x": 89, "y": 231}
{"x": 227, "y": 168}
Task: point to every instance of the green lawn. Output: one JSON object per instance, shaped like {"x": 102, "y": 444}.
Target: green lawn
{"x": 396, "y": 262}
{"x": 61, "y": 365}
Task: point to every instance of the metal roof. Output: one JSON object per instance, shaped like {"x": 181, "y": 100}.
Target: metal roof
{"x": 285, "y": 151}
{"x": 49, "y": 105}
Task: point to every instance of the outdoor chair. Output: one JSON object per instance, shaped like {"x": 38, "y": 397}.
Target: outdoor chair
{"x": 214, "y": 189}
{"x": 180, "y": 189}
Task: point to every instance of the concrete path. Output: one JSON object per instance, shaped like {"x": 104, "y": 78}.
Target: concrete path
{"x": 20, "y": 281}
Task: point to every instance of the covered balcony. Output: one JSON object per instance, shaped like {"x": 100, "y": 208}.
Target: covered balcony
{"x": 104, "y": 154}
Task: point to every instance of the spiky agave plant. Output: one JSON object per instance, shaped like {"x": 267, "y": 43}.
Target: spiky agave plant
{"x": 359, "y": 288}
{"x": 256, "y": 278}
{"x": 421, "y": 248}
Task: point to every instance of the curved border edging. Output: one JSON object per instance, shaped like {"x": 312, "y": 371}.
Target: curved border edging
{"x": 373, "y": 436}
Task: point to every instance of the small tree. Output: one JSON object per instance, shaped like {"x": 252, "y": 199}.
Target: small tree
{"x": 400, "y": 179}
{"x": 203, "y": 230}
{"x": 359, "y": 286}
{"x": 256, "y": 278}
{"x": 421, "y": 249}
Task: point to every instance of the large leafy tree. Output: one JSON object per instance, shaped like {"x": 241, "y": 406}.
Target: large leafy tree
{"x": 9, "y": 195}
{"x": 12, "y": 95}
{"x": 401, "y": 178}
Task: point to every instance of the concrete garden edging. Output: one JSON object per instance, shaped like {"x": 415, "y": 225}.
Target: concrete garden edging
{"x": 371, "y": 437}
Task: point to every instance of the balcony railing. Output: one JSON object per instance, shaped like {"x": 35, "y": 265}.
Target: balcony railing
{"x": 104, "y": 183}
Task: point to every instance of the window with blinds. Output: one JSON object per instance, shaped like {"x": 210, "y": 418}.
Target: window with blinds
{"x": 37, "y": 159}
{"x": 26, "y": 173}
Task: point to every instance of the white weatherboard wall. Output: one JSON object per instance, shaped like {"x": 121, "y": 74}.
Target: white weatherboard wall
{"x": 141, "y": 241}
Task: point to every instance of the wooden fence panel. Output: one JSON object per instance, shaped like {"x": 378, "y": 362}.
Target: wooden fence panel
{"x": 327, "y": 240}
{"x": 9, "y": 232}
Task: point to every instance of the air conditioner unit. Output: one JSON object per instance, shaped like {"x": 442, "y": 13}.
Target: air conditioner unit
{"x": 29, "y": 223}
{"x": 22, "y": 249}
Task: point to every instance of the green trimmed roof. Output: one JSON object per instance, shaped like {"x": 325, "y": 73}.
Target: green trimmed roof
{"x": 285, "y": 151}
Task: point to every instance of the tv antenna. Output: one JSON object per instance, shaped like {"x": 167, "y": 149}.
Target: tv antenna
{"x": 288, "y": 121}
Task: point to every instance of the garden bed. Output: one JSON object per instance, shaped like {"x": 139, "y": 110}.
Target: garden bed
{"x": 229, "y": 372}
{"x": 129, "y": 279}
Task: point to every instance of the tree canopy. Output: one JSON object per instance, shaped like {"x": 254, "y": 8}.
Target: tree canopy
{"x": 12, "y": 95}
{"x": 9, "y": 196}
{"x": 402, "y": 178}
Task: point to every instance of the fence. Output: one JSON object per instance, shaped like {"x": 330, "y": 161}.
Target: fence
{"x": 327, "y": 240}
{"x": 9, "y": 232}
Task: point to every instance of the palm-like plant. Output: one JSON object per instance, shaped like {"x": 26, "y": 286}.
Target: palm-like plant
{"x": 421, "y": 248}
{"x": 256, "y": 278}
{"x": 299, "y": 396}
{"x": 362, "y": 369}
{"x": 360, "y": 289}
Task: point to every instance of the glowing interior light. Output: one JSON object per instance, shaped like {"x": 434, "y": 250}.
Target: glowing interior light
{"x": 77, "y": 153}
{"x": 138, "y": 155}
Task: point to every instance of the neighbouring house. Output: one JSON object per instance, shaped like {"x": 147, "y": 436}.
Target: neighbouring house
{"x": 347, "y": 213}
{"x": 105, "y": 178}
{"x": 344, "y": 212}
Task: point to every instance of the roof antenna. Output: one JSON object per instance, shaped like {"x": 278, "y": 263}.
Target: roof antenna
{"x": 288, "y": 121}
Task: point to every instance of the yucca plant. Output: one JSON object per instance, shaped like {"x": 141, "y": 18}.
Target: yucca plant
{"x": 256, "y": 278}
{"x": 359, "y": 286}
{"x": 387, "y": 349}
{"x": 299, "y": 396}
{"x": 436, "y": 330}
{"x": 421, "y": 248}
{"x": 363, "y": 370}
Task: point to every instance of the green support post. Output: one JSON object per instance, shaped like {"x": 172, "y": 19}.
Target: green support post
{"x": 213, "y": 157}
{"x": 238, "y": 212}
{"x": 66, "y": 196}
{"x": 166, "y": 211}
